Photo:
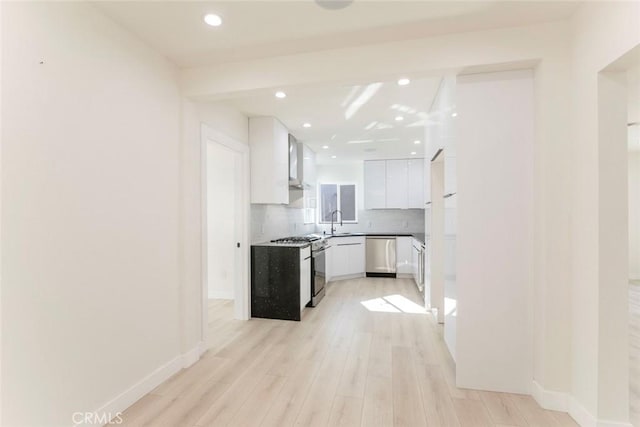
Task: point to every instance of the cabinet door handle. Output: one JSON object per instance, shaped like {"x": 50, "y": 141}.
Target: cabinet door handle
{"x": 349, "y": 244}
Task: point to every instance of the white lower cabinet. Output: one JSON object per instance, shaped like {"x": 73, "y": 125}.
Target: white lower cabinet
{"x": 418, "y": 259}
{"x": 404, "y": 262}
{"x": 305, "y": 277}
{"x": 415, "y": 263}
{"x": 346, "y": 257}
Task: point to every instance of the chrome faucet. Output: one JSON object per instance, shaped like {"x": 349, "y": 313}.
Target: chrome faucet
{"x": 336, "y": 214}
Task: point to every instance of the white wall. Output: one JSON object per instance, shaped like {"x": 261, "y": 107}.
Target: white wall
{"x": 552, "y": 273}
{"x": 634, "y": 215}
{"x": 495, "y": 231}
{"x": 1, "y": 104}
{"x": 601, "y": 33}
{"x": 90, "y": 162}
{"x": 633, "y": 116}
{"x": 435, "y": 251}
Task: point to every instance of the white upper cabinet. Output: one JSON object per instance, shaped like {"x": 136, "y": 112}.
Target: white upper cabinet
{"x": 416, "y": 183}
{"x": 397, "y": 184}
{"x": 394, "y": 184}
{"x": 269, "y": 143}
{"x": 375, "y": 184}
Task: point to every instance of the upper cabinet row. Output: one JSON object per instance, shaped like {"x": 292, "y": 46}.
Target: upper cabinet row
{"x": 394, "y": 184}
{"x": 281, "y": 168}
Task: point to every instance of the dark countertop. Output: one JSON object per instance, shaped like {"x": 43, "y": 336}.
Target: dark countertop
{"x": 300, "y": 245}
{"x": 418, "y": 236}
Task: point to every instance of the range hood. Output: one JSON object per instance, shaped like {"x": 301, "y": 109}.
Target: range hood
{"x": 297, "y": 176}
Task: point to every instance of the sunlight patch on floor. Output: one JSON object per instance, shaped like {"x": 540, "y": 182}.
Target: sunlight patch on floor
{"x": 450, "y": 306}
{"x": 393, "y": 304}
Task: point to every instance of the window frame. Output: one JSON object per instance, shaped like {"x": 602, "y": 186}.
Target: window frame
{"x": 338, "y": 184}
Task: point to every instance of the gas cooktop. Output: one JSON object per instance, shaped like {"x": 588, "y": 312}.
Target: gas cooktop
{"x": 316, "y": 240}
{"x": 298, "y": 239}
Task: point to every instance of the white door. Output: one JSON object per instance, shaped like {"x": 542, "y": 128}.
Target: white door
{"x": 223, "y": 227}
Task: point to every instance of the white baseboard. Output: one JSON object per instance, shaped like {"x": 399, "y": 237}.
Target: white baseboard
{"x": 220, "y": 294}
{"x": 563, "y": 402}
{"x": 581, "y": 415}
{"x": 605, "y": 423}
{"x": 193, "y": 355}
{"x": 585, "y": 419}
{"x": 552, "y": 400}
{"x": 134, "y": 393}
{"x": 347, "y": 277}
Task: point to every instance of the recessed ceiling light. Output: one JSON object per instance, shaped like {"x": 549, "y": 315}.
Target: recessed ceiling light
{"x": 454, "y": 114}
{"x": 326, "y": 147}
{"x": 399, "y": 118}
{"x": 306, "y": 125}
{"x": 413, "y": 153}
{"x": 334, "y": 157}
{"x": 213, "y": 19}
{"x": 333, "y": 4}
{"x": 403, "y": 81}
{"x": 280, "y": 94}
{"x": 417, "y": 141}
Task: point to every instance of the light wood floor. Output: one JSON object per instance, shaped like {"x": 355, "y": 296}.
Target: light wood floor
{"x": 342, "y": 365}
{"x": 634, "y": 352}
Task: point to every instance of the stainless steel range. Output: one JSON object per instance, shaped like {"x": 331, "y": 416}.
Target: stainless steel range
{"x": 318, "y": 262}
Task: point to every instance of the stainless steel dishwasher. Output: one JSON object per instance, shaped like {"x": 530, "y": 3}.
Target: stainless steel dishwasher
{"x": 381, "y": 256}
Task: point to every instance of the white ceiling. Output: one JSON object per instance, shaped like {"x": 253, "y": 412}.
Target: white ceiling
{"x": 258, "y": 29}
{"x": 335, "y": 120}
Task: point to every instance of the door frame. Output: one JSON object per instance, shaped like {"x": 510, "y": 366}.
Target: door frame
{"x": 241, "y": 289}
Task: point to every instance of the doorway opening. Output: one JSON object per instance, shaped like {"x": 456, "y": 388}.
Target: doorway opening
{"x": 225, "y": 233}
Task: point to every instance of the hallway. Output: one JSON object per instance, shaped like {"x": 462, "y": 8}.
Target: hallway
{"x": 367, "y": 355}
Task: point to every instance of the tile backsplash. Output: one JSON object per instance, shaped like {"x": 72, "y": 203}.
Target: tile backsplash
{"x": 383, "y": 221}
{"x": 274, "y": 221}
